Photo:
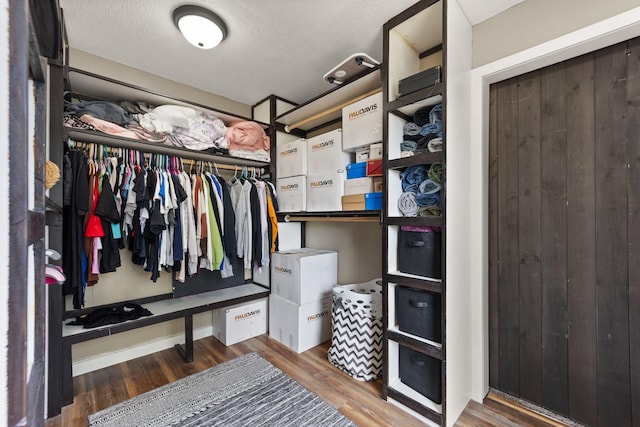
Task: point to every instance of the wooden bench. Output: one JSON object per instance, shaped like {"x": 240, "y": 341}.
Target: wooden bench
{"x": 163, "y": 310}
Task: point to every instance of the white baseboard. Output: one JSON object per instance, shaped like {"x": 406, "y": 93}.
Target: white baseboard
{"x": 113, "y": 358}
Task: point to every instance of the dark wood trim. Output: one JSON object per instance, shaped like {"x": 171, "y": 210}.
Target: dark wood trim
{"x": 417, "y": 96}
{"x": 408, "y": 13}
{"x": 415, "y": 344}
{"x": 18, "y": 280}
{"x": 324, "y": 125}
{"x": 417, "y": 159}
{"x": 418, "y": 221}
{"x": 273, "y": 98}
{"x": 431, "y": 51}
{"x": 434, "y": 416}
{"x": 282, "y": 216}
{"x": 56, "y": 298}
{"x": 422, "y": 284}
{"x": 35, "y": 66}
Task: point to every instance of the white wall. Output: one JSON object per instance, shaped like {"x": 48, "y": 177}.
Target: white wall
{"x": 103, "y": 67}
{"x": 4, "y": 202}
{"x": 596, "y": 36}
{"x": 533, "y": 22}
{"x": 358, "y": 245}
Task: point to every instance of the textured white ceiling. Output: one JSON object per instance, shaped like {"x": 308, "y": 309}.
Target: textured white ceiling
{"x": 280, "y": 47}
{"x": 481, "y": 10}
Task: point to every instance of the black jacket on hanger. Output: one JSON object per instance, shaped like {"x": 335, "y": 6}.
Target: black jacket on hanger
{"x": 107, "y": 210}
{"x": 73, "y": 226}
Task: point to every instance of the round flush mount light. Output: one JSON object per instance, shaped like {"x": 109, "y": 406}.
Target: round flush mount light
{"x": 201, "y": 27}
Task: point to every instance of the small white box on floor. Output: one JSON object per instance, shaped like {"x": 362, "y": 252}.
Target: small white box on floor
{"x": 358, "y": 186}
{"x": 240, "y": 322}
{"x": 291, "y": 158}
{"x": 299, "y": 327}
{"x": 362, "y": 123}
{"x": 303, "y": 275}
{"x": 324, "y": 192}
{"x": 292, "y": 194}
{"x": 324, "y": 153}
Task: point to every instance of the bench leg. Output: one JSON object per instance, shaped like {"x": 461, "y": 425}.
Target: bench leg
{"x": 187, "y": 351}
{"x": 67, "y": 374}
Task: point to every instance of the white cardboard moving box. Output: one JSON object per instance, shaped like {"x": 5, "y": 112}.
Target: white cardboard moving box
{"x": 303, "y": 275}
{"x": 292, "y": 194}
{"x": 299, "y": 327}
{"x": 240, "y": 322}
{"x": 324, "y": 191}
{"x": 362, "y": 122}
{"x": 291, "y": 158}
{"x": 324, "y": 153}
{"x": 358, "y": 185}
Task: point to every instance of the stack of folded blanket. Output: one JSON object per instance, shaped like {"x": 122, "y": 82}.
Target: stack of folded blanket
{"x": 424, "y": 133}
{"x": 421, "y": 187}
{"x": 171, "y": 124}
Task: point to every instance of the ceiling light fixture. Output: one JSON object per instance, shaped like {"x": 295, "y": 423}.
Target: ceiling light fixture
{"x": 201, "y": 27}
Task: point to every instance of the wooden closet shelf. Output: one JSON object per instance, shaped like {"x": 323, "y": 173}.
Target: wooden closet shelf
{"x": 337, "y": 216}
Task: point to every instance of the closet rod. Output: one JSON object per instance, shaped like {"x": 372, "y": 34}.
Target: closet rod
{"x": 333, "y": 109}
{"x": 147, "y": 147}
{"x": 211, "y": 164}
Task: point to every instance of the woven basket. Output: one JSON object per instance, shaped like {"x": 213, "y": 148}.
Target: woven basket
{"x": 51, "y": 174}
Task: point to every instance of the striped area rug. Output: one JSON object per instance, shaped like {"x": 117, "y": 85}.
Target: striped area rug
{"x": 245, "y": 391}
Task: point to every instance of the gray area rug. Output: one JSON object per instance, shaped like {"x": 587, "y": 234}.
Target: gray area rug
{"x": 246, "y": 391}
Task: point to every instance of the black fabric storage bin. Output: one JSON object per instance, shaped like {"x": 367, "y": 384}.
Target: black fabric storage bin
{"x": 419, "y": 253}
{"x": 422, "y": 373}
{"x": 418, "y": 313}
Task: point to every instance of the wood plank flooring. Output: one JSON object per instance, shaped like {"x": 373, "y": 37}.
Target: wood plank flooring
{"x": 359, "y": 401}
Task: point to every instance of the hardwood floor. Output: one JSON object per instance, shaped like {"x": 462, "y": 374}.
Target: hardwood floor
{"x": 359, "y": 401}
{"x": 494, "y": 413}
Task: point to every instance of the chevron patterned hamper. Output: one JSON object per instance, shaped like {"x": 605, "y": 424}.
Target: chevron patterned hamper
{"x": 356, "y": 323}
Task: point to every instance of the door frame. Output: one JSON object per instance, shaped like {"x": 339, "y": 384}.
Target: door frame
{"x": 610, "y": 31}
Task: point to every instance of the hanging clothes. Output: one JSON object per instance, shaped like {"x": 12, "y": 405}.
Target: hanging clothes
{"x": 167, "y": 219}
{"x": 75, "y": 207}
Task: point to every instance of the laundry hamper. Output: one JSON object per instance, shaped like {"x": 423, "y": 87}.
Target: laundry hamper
{"x": 356, "y": 323}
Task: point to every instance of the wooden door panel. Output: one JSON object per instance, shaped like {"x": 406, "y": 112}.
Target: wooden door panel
{"x": 564, "y": 251}
{"x": 581, "y": 208}
{"x": 612, "y": 286}
{"x": 633, "y": 138}
{"x": 553, "y": 220}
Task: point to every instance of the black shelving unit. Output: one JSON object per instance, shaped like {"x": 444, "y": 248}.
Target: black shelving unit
{"x": 421, "y": 28}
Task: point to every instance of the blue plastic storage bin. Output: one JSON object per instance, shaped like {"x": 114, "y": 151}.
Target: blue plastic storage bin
{"x": 356, "y": 170}
{"x": 373, "y": 201}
